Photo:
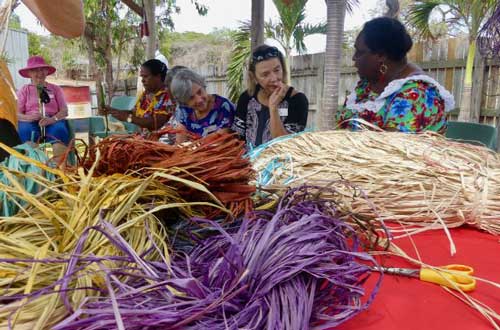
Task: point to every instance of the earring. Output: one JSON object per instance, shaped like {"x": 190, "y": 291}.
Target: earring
{"x": 383, "y": 71}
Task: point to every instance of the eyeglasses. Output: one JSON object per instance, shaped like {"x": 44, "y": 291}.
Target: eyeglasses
{"x": 265, "y": 54}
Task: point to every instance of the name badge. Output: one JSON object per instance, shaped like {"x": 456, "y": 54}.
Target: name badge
{"x": 283, "y": 112}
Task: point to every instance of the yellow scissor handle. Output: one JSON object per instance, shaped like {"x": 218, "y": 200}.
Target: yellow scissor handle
{"x": 459, "y": 275}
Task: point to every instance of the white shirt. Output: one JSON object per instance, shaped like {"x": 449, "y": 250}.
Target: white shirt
{"x": 159, "y": 56}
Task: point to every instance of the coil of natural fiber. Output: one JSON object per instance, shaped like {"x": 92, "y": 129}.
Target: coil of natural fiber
{"x": 421, "y": 179}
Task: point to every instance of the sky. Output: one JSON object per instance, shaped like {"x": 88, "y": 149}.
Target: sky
{"x": 228, "y": 14}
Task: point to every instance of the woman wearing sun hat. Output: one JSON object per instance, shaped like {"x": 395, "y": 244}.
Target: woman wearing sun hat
{"x": 30, "y": 115}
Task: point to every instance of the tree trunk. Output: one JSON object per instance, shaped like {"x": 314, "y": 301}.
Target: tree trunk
{"x": 108, "y": 60}
{"x": 257, "y": 34}
{"x": 288, "y": 58}
{"x": 392, "y": 8}
{"x": 119, "y": 58}
{"x": 465, "y": 103}
{"x": 477, "y": 88}
{"x": 109, "y": 75}
{"x": 149, "y": 10}
{"x": 94, "y": 71}
{"x": 333, "y": 61}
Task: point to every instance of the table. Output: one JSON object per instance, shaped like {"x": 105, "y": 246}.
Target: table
{"x": 407, "y": 303}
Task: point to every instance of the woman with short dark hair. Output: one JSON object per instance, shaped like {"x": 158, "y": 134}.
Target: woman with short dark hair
{"x": 155, "y": 105}
{"x": 392, "y": 93}
{"x": 269, "y": 108}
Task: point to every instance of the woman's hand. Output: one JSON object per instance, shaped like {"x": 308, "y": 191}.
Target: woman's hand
{"x": 36, "y": 116}
{"x": 277, "y": 96}
{"x": 119, "y": 114}
{"x": 47, "y": 121}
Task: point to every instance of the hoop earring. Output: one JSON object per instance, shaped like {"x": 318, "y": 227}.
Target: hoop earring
{"x": 383, "y": 71}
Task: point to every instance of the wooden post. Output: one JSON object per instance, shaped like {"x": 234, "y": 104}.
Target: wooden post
{"x": 450, "y": 72}
{"x": 477, "y": 88}
{"x": 257, "y": 34}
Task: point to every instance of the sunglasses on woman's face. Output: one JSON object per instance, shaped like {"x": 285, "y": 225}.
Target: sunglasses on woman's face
{"x": 265, "y": 54}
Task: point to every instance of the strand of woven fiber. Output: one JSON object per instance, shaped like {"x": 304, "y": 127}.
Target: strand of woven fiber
{"x": 419, "y": 179}
{"x": 215, "y": 161}
{"x": 49, "y": 224}
{"x": 297, "y": 268}
{"x": 15, "y": 164}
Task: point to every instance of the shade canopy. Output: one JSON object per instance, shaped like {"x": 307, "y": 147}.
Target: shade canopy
{"x": 63, "y": 17}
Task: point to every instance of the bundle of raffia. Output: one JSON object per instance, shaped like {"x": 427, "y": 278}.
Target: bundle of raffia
{"x": 215, "y": 161}
{"x": 37, "y": 244}
{"x": 421, "y": 179}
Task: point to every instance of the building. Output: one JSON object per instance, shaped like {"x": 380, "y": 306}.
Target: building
{"x": 16, "y": 53}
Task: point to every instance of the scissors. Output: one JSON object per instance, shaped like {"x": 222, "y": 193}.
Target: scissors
{"x": 451, "y": 276}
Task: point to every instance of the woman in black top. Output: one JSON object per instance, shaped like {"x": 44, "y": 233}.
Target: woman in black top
{"x": 269, "y": 108}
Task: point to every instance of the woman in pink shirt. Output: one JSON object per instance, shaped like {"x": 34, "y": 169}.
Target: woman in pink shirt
{"x": 33, "y": 117}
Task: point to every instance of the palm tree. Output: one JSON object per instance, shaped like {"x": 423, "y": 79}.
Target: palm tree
{"x": 467, "y": 14}
{"x": 239, "y": 55}
{"x": 333, "y": 56}
{"x": 336, "y": 10}
{"x": 257, "y": 29}
{"x": 289, "y": 32}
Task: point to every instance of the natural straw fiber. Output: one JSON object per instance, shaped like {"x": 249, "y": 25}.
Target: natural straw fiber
{"x": 421, "y": 179}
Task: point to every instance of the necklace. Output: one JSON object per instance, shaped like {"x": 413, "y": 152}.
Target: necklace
{"x": 150, "y": 103}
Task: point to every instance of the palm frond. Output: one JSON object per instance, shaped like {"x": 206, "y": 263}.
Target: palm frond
{"x": 237, "y": 62}
{"x": 419, "y": 16}
{"x": 305, "y": 30}
{"x": 298, "y": 36}
{"x": 489, "y": 36}
{"x": 310, "y": 29}
{"x": 292, "y": 14}
{"x": 350, "y": 4}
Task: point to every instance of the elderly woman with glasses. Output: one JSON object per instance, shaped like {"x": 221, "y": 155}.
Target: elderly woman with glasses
{"x": 269, "y": 108}
{"x": 199, "y": 113}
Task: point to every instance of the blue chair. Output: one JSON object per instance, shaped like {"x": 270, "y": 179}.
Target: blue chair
{"x": 126, "y": 103}
{"x": 473, "y": 133}
{"x": 97, "y": 127}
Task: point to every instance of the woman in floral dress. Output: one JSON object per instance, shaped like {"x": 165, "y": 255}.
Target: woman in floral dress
{"x": 392, "y": 93}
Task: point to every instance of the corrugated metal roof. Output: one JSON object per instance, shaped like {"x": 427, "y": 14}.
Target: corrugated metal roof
{"x": 16, "y": 49}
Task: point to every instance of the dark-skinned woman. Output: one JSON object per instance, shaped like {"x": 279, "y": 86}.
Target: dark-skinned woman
{"x": 155, "y": 105}
{"x": 392, "y": 93}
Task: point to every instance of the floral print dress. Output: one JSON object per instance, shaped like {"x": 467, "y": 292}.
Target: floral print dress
{"x": 160, "y": 104}
{"x": 220, "y": 116}
{"x": 411, "y": 105}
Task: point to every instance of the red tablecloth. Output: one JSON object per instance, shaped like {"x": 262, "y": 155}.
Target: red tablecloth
{"x": 406, "y": 303}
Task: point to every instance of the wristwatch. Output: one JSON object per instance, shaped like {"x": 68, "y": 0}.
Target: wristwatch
{"x": 129, "y": 118}
{"x": 55, "y": 118}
